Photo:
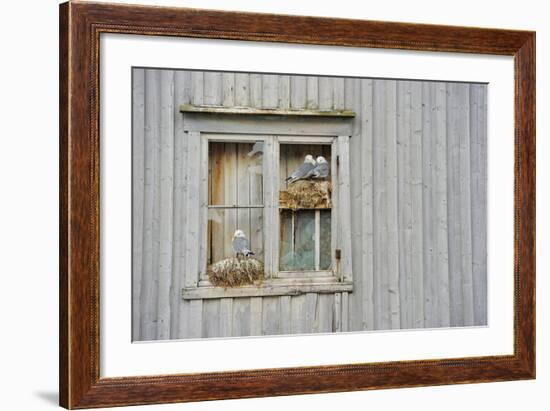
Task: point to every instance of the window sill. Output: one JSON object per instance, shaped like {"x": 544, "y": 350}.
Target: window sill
{"x": 270, "y": 288}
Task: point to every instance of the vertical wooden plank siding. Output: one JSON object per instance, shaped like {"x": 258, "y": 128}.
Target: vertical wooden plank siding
{"x": 212, "y": 88}
{"x": 478, "y": 169}
{"x": 271, "y": 316}
{"x": 242, "y": 89}
{"x": 442, "y": 216}
{"x": 337, "y": 314}
{"x": 417, "y": 164}
{"x": 311, "y": 313}
{"x": 228, "y": 89}
{"x": 365, "y": 202}
{"x": 416, "y": 160}
{"x": 345, "y": 312}
{"x": 391, "y": 217}
{"x": 298, "y": 92}
{"x": 270, "y": 91}
{"x": 404, "y": 202}
{"x": 256, "y": 90}
{"x": 353, "y": 95}
{"x": 325, "y": 93}
{"x": 285, "y": 319}
{"x": 297, "y": 314}
{"x": 241, "y": 317}
{"x": 434, "y": 196}
{"x": 284, "y": 92}
{"x": 459, "y": 233}
{"x": 211, "y": 318}
{"x": 226, "y": 317}
{"x": 256, "y": 316}
{"x": 409, "y": 162}
{"x": 197, "y": 89}
{"x": 325, "y": 314}
{"x": 386, "y": 265}
{"x": 166, "y": 202}
{"x": 338, "y": 94}
{"x": 465, "y": 209}
{"x": 138, "y": 158}
{"x": 312, "y": 92}
{"x": 183, "y": 84}
{"x": 149, "y": 283}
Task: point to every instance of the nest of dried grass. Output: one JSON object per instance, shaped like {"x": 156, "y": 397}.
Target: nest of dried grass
{"x": 234, "y": 272}
{"x": 305, "y": 194}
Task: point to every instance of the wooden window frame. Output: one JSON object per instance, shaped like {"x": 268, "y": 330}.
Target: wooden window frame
{"x": 204, "y": 124}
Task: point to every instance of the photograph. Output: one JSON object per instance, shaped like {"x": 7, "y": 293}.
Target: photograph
{"x": 283, "y": 204}
{"x": 261, "y": 202}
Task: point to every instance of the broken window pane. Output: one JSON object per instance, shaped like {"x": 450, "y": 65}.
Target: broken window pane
{"x": 297, "y": 251}
{"x": 325, "y": 259}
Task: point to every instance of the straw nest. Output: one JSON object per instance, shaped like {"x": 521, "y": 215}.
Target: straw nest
{"x": 304, "y": 194}
{"x": 234, "y": 272}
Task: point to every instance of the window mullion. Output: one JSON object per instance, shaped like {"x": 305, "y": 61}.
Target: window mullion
{"x": 203, "y": 200}
{"x": 275, "y": 206}
{"x": 271, "y": 202}
{"x": 334, "y": 230}
{"x": 317, "y": 239}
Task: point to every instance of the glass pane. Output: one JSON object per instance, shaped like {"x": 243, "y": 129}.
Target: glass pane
{"x": 297, "y": 248}
{"x": 235, "y": 173}
{"x": 325, "y": 260}
{"x": 222, "y": 224}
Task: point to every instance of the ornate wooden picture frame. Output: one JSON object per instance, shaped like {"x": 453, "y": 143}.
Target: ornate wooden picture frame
{"x": 81, "y": 25}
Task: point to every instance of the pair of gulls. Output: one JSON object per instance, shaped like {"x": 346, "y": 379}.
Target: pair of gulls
{"x": 311, "y": 168}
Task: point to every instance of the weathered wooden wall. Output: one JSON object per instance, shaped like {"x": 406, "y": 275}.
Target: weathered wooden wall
{"x": 418, "y": 188}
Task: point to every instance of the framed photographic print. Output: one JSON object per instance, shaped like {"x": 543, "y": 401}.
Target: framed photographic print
{"x": 257, "y": 205}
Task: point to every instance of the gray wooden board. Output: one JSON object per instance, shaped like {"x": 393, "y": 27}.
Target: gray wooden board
{"x": 138, "y": 153}
{"x": 166, "y": 203}
{"x": 418, "y": 181}
{"x": 478, "y": 167}
{"x": 149, "y": 283}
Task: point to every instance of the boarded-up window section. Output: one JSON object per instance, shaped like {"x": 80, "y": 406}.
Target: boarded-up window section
{"x": 305, "y": 207}
{"x": 235, "y": 197}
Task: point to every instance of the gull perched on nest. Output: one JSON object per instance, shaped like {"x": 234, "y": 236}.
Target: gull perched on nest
{"x": 321, "y": 169}
{"x": 240, "y": 244}
{"x": 303, "y": 172}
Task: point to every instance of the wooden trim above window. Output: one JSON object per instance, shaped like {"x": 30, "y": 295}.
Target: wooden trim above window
{"x": 190, "y": 108}
{"x": 228, "y": 120}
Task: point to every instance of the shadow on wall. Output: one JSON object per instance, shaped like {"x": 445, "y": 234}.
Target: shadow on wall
{"x": 51, "y": 397}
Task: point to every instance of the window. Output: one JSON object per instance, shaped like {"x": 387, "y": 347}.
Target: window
{"x": 297, "y": 225}
{"x": 305, "y": 209}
